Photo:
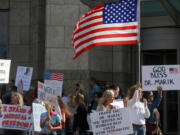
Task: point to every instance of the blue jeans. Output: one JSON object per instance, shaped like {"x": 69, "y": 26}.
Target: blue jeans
{"x": 138, "y": 130}
{"x": 84, "y": 133}
{"x": 53, "y": 133}
{"x": 61, "y": 132}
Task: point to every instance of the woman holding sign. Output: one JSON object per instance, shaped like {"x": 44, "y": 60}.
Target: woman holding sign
{"x": 49, "y": 121}
{"x": 106, "y": 100}
{"x": 138, "y": 110}
{"x": 16, "y": 99}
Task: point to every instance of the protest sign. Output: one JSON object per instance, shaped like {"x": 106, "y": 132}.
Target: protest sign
{"x": 166, "y": 76}
{"x": 37, "y": 110}
{"x": 16, "y": 117}
{"x": 118, "y": 103}
{"x": 47, "y": 94}
{"x": 23, "y": 78}
{"x": 4, "y": 71}
{"x": 55, "y": 79}
{"x": 57, "y": 85}
{"x": 114, "y": 122}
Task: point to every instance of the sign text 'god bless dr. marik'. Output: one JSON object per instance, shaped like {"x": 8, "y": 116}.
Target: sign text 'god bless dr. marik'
{"x": 166, "y": 76}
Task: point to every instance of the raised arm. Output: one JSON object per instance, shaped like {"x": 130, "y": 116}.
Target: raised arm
{"x": 157, "y": 101}
{"x": 134, "y": 99}
{"x": 147, "y": 112}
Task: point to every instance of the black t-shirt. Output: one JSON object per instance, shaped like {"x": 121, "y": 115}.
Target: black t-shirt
{"x": 80, "y": 119}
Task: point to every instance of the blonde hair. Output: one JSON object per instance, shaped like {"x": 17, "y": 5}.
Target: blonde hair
{"x": 106, "y": 95}
{"x": 71, "y": 100}
{"x": 132, "y": 90}
{"x": 63, "y": 105}
{"x": 19, "y": 97}
{"x": 79, "y": 99}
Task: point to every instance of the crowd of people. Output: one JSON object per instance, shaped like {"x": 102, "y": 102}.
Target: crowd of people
{"x": 76, "y": 108}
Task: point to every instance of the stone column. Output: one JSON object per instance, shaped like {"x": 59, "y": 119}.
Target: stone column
{"x": 37, "y": 38}
{"x": 61, "y": 17}
{"x": 19, "y": 34}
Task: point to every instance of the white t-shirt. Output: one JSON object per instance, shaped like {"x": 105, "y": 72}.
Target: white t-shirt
{"x": 138, "y": 111}
{"x": 118, "y": 103}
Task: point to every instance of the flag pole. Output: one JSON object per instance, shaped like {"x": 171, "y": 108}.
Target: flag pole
{"x": 139, "y": 40}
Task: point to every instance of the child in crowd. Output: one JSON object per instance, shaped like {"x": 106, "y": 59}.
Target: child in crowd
{"x": 50, "y": 121}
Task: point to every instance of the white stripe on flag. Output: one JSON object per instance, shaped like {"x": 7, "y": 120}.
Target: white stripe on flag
{"x": 105, "y": 40}
{"x": 106, "y": 33}
{"x": 106, "y": 26}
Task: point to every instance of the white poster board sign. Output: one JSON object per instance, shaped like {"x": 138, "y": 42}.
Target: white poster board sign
{"x": 16, "y": 117}
{"x": 37, "y": 110}
{"x": 23, "y": 78}
{"x": 118, "y": 103}
{"x": 166, "y": 76}
{"x": 57, "y": 85}
{"x": 4, "y": 71}
{"x": 114, "y": 122}
{"x": 47, "y": 94}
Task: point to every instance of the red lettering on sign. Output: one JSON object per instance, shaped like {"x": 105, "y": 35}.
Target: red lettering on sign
{"x": 4, "y": 108}
{"x": 5, "y": 123}
{"x": 26, "y": 125}
{"x": 15, "y": 116}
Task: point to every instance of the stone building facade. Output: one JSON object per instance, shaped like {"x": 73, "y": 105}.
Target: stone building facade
{"x": 40, "y": 35}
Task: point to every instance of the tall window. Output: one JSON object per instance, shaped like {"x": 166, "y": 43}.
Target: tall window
{"x": 3, "y": 34}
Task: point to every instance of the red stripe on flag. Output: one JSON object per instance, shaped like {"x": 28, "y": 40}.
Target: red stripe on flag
{"x": 106, "y": 36}
{"x": 99, "y": 6}
{"x": 104, "y": 29}
{"x": 91, "y": 13}
{"x": 56, "y": 76}
{"x": 88, "y": 26}
{"x": 90, "y": 19}
{"x": 134, "y": 42}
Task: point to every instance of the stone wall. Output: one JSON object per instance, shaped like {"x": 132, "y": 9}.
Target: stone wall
{"x": 61, "y": 16}
{"x": 26, "y": 35}
{"x": 108, "y": 64}
{"x": 19, "y": 34}
{"x": 37, "y": 37}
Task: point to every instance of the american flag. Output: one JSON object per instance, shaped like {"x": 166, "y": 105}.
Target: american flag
{"x": 107, "y": 24}
{"x": 173, "y": 70}
{"x": 54, "y": 76}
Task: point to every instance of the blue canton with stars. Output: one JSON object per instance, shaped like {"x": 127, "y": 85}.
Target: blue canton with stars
{"x": 122, "y": 11}
{"x": 47, "y": 76}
